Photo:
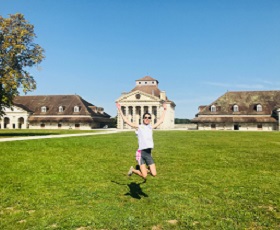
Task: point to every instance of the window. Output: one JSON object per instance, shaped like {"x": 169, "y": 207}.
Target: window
{"x": 213, "y": 108}
{"x": 259, "y": 108}
{"x": 59, "y": 125}
{"x": 42, "y": 125}
{"x": 235, "y": 108}
{"x": 76, "y": 109}
{"x": 213, "y": 126}
{"x": 138, "y": 96}
{"x": 60, "y": 109}
{"x": 77, "y": 126}
{"x": 236, "y": 127}
{"x": 43, "y": 109}
{"x": 259, "y": 126}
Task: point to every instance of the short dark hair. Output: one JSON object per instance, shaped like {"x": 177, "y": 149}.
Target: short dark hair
{"x": 146, "y": 114}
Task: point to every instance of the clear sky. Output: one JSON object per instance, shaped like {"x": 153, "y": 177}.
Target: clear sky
{"x": 197, "y": 49}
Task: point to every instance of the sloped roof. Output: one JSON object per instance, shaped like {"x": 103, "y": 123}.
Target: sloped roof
{"x": 147, "y": 78}
{"x": 246, "y": 102}
{"x": 52, "y": 102}
{"x": 150, "y": 89}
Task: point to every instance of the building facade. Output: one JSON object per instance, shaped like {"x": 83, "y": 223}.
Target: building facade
{"x": 53, "y": 112}
{"x": 244, "y": 110}
{"x": 146, "y": 97}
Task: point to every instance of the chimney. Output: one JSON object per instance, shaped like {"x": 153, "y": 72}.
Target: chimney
{"x": 100, "y": 110}
{"x": 201, "y": 107}
{"x": 93, "y": 108}
{"x": 162, "y": 95}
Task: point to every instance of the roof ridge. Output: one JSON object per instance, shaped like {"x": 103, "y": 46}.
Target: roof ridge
{"x": 245, "y": 91}
{"x": 147, "y": 78}
{"x": 48, "y": 95}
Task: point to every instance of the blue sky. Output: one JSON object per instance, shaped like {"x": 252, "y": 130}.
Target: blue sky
{"x": 197, "y": 50}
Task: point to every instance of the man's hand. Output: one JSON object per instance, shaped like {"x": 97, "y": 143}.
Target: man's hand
{"x": 118, "y": 105}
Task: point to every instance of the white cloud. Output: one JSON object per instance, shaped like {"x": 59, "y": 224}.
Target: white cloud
{"x": 235, "y": 86}
{"x": 250, "y": 86}
{"x": 270, "y": 83}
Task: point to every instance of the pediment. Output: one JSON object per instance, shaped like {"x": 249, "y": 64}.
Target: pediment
{"x": 137, "y": 96}
{"x": 14, "y": 109}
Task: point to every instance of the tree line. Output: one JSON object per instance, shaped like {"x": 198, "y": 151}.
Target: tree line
{"x": 182, "y": 121}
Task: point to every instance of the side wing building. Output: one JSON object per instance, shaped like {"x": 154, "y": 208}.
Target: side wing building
{"x": 244, "y": 110}
{"x": 53, "y": 112}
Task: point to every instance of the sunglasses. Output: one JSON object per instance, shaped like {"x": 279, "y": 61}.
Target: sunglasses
{"x": 147, "y": 118}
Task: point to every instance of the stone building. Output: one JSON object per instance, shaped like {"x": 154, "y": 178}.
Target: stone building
{"x": 244, "y": 110}
{"x": 53, "y": 112}
{"x": 146, "y": 97}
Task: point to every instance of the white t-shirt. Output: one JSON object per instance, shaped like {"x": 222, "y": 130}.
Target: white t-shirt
{"x": 145, "y": 137}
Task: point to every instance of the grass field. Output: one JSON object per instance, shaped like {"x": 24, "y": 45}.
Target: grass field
{"x": 33, "y": 132}
{"x": 206, "y": 180}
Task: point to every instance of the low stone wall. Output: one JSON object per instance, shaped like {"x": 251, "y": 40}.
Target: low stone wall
{"x": 186, "y": 126}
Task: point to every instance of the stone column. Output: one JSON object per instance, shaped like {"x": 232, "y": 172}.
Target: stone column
{"x": 134, "y": 114}
{"x": 126, "y": 114}
{"x": 150, "y": 110}
{"x": 141, "y": 113}
{"x": 120, "y": 118}
{"x": 16, "y": 122}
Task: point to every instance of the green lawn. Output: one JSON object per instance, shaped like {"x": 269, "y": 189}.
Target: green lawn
{"x": 206, "y": 180}
{"x": 33, "y": 132}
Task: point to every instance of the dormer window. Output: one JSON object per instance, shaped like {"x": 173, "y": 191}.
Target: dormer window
{"x": 60, "y": 109}
{"x": 43, "y": 109}
{"x": 213, "y": 108}
{"x": 76, "y": 109}
{"x": 259, "y": 108}
{"x": 235, "y": 108}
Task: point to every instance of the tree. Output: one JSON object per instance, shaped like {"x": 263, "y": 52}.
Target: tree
{"x": 182, "y": 121}
{"x": 18, "y": 53}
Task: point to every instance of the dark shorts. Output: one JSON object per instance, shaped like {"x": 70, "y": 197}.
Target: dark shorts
{"x": 146, "y": 157}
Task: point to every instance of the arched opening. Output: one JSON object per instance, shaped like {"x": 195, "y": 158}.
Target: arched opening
{"x": 20, "y": 122}
{"x": 6, "y": 123}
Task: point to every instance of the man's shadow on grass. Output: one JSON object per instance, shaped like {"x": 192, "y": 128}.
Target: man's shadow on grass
{"x": 135, "y": 190}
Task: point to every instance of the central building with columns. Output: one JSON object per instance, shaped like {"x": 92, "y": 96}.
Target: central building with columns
{"x": 146, "y": 97}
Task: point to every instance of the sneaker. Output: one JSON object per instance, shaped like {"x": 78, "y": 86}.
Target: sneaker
{"x": 130, "y": 171}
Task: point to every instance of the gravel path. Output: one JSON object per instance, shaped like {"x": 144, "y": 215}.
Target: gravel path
{"x": 57, "y": 136}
